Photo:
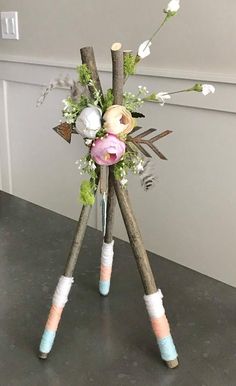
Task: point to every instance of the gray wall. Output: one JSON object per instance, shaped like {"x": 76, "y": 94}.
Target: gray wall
{"x": 201, "y": 37}
{"x": 190, "y": 216}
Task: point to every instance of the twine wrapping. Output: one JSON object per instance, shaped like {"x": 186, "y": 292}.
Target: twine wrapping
{"x": 160, "y": 325}
{"x": 106, "y": 267}
{"x": 61, "y": 293}
{"x": 59, "y": 300}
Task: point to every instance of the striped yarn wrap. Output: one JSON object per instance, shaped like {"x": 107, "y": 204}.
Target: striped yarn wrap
{"x": 160, "y": 325}
{"x": 59, "y": 300}
{"x": 106, "y": 267}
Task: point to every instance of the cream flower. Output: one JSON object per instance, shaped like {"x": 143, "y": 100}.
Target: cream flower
{"x": 144, "y": 49}
{"x": 172, "y": 7}
{"x": 207, "y": 89}
{"x": 118, "y": 120}
{"x": 89, "y": 122}
{"x": 162, "y": 97}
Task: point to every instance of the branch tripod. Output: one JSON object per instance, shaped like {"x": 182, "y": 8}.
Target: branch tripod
{"x": 153, "y": 295}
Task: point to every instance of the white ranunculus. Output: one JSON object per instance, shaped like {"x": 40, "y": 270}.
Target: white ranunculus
{"x": 144, "y": 49}
{"x": 89, "y": 122}
{"x": 162, "y": 97}
{"x": 207, "y": 89}
{"x": 173, "y": 6}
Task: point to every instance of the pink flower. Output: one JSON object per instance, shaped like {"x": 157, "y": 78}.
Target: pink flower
{"x": 107, "y": 151}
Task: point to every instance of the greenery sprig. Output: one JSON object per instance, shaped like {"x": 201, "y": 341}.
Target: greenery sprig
{"x": 84, "y": 73}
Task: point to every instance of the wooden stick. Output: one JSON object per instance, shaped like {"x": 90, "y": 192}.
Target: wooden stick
{"x": 77, "y": 242}
{"x": 71, "y": 262}
{"x": 88, "y": 58}
{"x": 103, "y": 179}
{"x": 117, "y": 73}
{"x": 111, "y": 204}
{"x": 135, "y": 239}
{"x": 117, "y": 86}
{"x": 137, "y": 246}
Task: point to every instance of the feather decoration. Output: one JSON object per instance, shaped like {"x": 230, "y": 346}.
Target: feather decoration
{"x": 66, "y": 82}
{"x": 147, "y": 176}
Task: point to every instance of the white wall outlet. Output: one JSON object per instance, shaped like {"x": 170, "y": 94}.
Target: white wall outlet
{"x": 9, "y": 25}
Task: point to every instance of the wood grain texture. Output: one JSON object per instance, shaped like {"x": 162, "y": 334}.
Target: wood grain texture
{"x": 137, "y": 245}
{"x": 117, "y": 87}
{"x": 111, "y": 204}
{"x": 88, "y": 58}
{"x": 135, "y": 239}
{"x": 117, "y": 73}
{"x": 104, "y": 179}
{"x": 77, "y": 242}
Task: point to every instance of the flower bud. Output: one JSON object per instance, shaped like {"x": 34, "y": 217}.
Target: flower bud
{"x": 197, "y": 87}
{"x": 172, "y": 7}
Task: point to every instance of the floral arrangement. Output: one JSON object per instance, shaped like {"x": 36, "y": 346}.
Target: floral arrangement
{"x": 106, "y": 127}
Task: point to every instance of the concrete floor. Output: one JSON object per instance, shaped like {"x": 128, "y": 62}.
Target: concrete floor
{"x": 103, "y": 341}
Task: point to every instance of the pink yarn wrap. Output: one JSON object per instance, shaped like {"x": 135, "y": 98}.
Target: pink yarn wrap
{"x": 54, "y": 318}
{"x": 160, "y": 327}
{"x": 105, "y": 272}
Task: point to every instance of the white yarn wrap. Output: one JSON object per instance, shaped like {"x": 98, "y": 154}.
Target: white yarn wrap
{"x": 154, "y": 305}
{"x": 62, "y": 291}
{"x": 107, "y": 254}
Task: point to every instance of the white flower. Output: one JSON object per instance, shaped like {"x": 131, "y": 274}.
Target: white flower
{"x": 139, "y": 167}
{"x": 93, "y": 166}
{"x": 88, "y": 141}
{"x": 207, "y": 89}
{"x": 144, "y": 49}
{"x": 162, "y": 97}
{"x": 66, "y": 104}
{"x": 89, "y": 122}
{"x": 172, "y": 7}
{"x": 123, "y": 181}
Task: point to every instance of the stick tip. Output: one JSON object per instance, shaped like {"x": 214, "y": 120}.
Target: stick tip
{"x": 116, "y": 46}
{"x": 86, "y": 48}
{"x": 172, "y": 364}
{"x": 43, "y": 355}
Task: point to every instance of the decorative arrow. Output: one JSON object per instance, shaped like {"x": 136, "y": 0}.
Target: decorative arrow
{"x": 139, "y": 140}
{"x": 65, "y": 130}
